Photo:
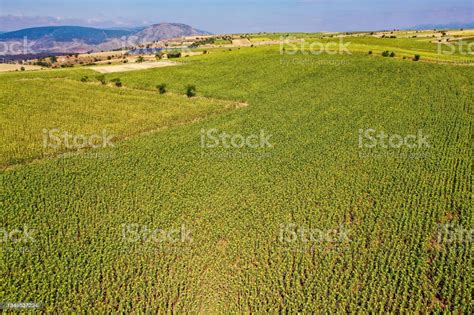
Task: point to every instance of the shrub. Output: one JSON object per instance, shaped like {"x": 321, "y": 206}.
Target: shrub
{"x": 43, "y": 64}
{"x": 386, "y": 53}
{"x": 370, "y": 52}
{"x": 85, "y": 79}
{"x": 159, "y": 55}
{"x": 117, "y": 82}
{"x": 101, "y": 79}
{"x": 162, "y": 88}
{"x": 22, "y": 68}
{"x": 417, "y": 57}
{"x": 174, "y": 54}
{"x": 53, "y": 59}
{"x": 140, "y": 59}
{"x": 125, "y": 61}
{"x": 392, "y": 54}
{"x": 190, "y": 91}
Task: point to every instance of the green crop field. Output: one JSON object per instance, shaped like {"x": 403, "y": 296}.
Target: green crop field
{"x": 263, "y": 194}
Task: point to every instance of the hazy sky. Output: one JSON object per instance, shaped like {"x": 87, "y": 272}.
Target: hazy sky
{"x": 220, "y": 16}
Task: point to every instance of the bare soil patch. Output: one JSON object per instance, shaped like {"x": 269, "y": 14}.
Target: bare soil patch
{"x": 134, "y": 66}
{"x": 4, "y": 67}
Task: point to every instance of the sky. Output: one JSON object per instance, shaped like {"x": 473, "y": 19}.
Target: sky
{"x": 232, "y": 16}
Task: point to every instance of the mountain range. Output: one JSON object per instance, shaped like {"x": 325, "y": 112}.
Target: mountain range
{"x": 449, "y": 26}
{"x": 79, "y": 39}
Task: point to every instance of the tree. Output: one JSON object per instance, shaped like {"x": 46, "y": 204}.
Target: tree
{"x": 53, "y": 59}
{"x": 417, "y": 57}
{"x": 140, "y": 59}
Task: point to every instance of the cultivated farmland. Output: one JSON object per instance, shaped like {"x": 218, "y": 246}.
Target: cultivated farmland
{"x": 310, "y": 215}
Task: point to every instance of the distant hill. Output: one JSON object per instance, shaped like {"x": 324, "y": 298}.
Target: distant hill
{"x": 443, "y": 26}
{"x": 89, "y": 35}
{"x": 166, "y": 30}
{"x": 78, "y": 39}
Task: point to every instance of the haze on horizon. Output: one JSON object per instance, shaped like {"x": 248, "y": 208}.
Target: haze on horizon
{"x": 230, "y": 16}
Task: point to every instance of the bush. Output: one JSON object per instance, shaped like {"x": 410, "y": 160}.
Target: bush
{"x": 101, "y": 79}
{"x": 392, "y": 54}
{"x": 117, "y": 82}
{"x": 174, "y": 54}
{"x": 386, "y": 53}
{"x": 125, "y": 61}
{"x": 140, "y": 59}
{"x": 43, "y": 64}
{"x": 22, "y": 68}
{"x": 162, "y": 88}
{"x": 417, "y": 57}
{"x": 370, "y": 52}
{"x": 159, "y": 55}
{"x": 190, "y": 91}
{"x": 85, "y": 79}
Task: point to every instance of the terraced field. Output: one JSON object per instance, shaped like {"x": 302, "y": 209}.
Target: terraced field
{"x": 310, "y": 220}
